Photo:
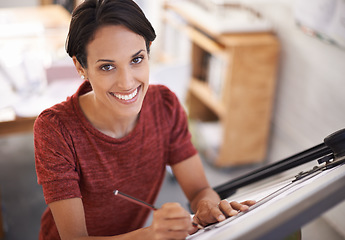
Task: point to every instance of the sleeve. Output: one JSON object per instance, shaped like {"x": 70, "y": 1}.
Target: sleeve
{"x": 180, "y": 144}
{"x": 56, "y": 167}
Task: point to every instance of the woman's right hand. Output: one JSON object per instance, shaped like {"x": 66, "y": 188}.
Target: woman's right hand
{"x": 171, "y": 221}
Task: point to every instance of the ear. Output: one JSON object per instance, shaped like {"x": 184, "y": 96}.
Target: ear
{"x": 81, "y": 71}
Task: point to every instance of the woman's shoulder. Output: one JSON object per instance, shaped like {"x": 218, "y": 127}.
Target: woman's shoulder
{"x": 159, "y": 88}
{"x": 163, "y": 102}
{"x": 63, "y": 111}
{"x": 162, "y": 94}
{"x": 54, "y": 116}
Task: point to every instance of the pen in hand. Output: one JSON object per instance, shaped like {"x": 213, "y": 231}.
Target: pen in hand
{"x": 134, "y": 200}
{"x": 140, "y": 202}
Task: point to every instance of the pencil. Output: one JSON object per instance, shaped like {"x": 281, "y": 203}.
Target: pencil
{"x": 134, "y": 200}
{"x": 141, "y": 202}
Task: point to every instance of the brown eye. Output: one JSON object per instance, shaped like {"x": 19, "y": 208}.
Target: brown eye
{"x": 137, "y": 60}
{"x": 107, "y": 67}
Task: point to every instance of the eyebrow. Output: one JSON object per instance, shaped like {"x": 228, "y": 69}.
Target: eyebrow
{"x": 137, "y": 53}
{"x": 108, "y": 60}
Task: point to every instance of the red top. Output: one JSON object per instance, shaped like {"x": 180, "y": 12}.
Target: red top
{"x": 73, "y": 159}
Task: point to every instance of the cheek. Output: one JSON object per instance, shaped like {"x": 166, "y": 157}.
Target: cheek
{"x": 100, "y": 80}
{"x": 99, "y": 84}
{"x": 142, "y": 74}
{"x": 143, "y": 77}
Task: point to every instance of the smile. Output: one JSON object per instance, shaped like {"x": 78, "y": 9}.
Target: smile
{"x": 125, "y": 97}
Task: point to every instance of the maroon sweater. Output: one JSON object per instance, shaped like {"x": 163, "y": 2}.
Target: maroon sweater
{"x": 73, "y": 159}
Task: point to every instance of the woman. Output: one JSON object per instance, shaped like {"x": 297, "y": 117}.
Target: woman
{"x": 117, "y": 132}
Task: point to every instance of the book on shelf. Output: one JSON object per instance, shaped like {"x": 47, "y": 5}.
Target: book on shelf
{"x": 212, "y": 72}
{"x": 216, "y": 74}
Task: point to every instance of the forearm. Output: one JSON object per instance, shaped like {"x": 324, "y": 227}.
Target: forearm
{"x": 170, "y": 221}
{"x": 206, "y": 195}
{"x": 142, "y": 233}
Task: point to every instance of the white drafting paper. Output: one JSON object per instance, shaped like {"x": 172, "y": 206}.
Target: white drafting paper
{"x": 209, "y": 231}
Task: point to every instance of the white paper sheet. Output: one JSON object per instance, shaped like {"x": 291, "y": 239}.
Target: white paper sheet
{"x": 211, "y": 230}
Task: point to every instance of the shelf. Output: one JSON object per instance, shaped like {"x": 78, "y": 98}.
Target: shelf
{"x": 199, "y": 38}
{"x": 232, "y": 81}
{"x": 207, "y": 97}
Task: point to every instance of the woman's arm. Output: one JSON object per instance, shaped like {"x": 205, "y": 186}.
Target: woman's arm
{"x": 69, "y": 218}
{"x": 171, "y": 221}
{"x": 204, "y": 201}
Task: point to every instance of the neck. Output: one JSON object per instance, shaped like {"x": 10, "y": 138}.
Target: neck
{"x": 106, "y": 122}
{"x": 117, "y": 128}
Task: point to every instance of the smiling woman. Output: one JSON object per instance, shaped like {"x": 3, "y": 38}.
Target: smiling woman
{"x": 118, "y": 71}
{"x": 118, "y": 132}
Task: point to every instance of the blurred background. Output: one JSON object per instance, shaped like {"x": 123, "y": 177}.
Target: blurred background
{"x": 260, "y": 80}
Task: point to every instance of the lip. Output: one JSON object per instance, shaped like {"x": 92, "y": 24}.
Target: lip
{"x": 127, "y": 94}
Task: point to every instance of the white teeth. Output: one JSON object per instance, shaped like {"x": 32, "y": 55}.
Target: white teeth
{"x": 127, "y": 97}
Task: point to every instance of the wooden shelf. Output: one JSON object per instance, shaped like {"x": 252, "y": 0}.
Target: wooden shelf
{"x": 198, "y": 37}
{"x": 233, "y": 81}
{"x": 206, "y": 96}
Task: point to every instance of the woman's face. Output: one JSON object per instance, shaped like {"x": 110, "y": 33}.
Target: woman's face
{"x": 118, "y": 70}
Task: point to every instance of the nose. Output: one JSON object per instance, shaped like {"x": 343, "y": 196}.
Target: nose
{"x": 125, "y": 79}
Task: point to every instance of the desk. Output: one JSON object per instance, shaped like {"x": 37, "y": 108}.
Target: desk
{"x": 18, "y": 125}
{"x": 51, "y": 16}
{"x": 48, "y": 24}
{"x": 55, "y": 21}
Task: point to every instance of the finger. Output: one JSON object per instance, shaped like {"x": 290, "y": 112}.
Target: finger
{"x": 169, "y": 234}
{"x": 181, "y": 224}
{"x": 196, "y": 224}
{"x": 199, "y": 222}
{"x": 217, "y": 214}
{"x": 226, "y": 208}
{"x": 194, "y": 230}
{"x": 176, "y": 235}
{"x": 172, "y": 228}
{"x": 238, "y": 206}
{"x": 174, "y": 210}
{"x": 249, "y": 202}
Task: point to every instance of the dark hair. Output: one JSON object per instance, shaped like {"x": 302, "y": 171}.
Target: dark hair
{"x": 89, "y": 16}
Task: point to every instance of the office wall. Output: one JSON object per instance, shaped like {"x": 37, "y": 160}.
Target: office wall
{"x": 310, "y": 100}
{"x": 18, "y": 3}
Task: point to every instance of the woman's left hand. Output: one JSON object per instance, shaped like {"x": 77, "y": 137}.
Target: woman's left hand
{"x": 209, "y": 212}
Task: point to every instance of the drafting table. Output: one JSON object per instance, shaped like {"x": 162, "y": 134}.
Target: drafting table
{"x": 288, "y": 198}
